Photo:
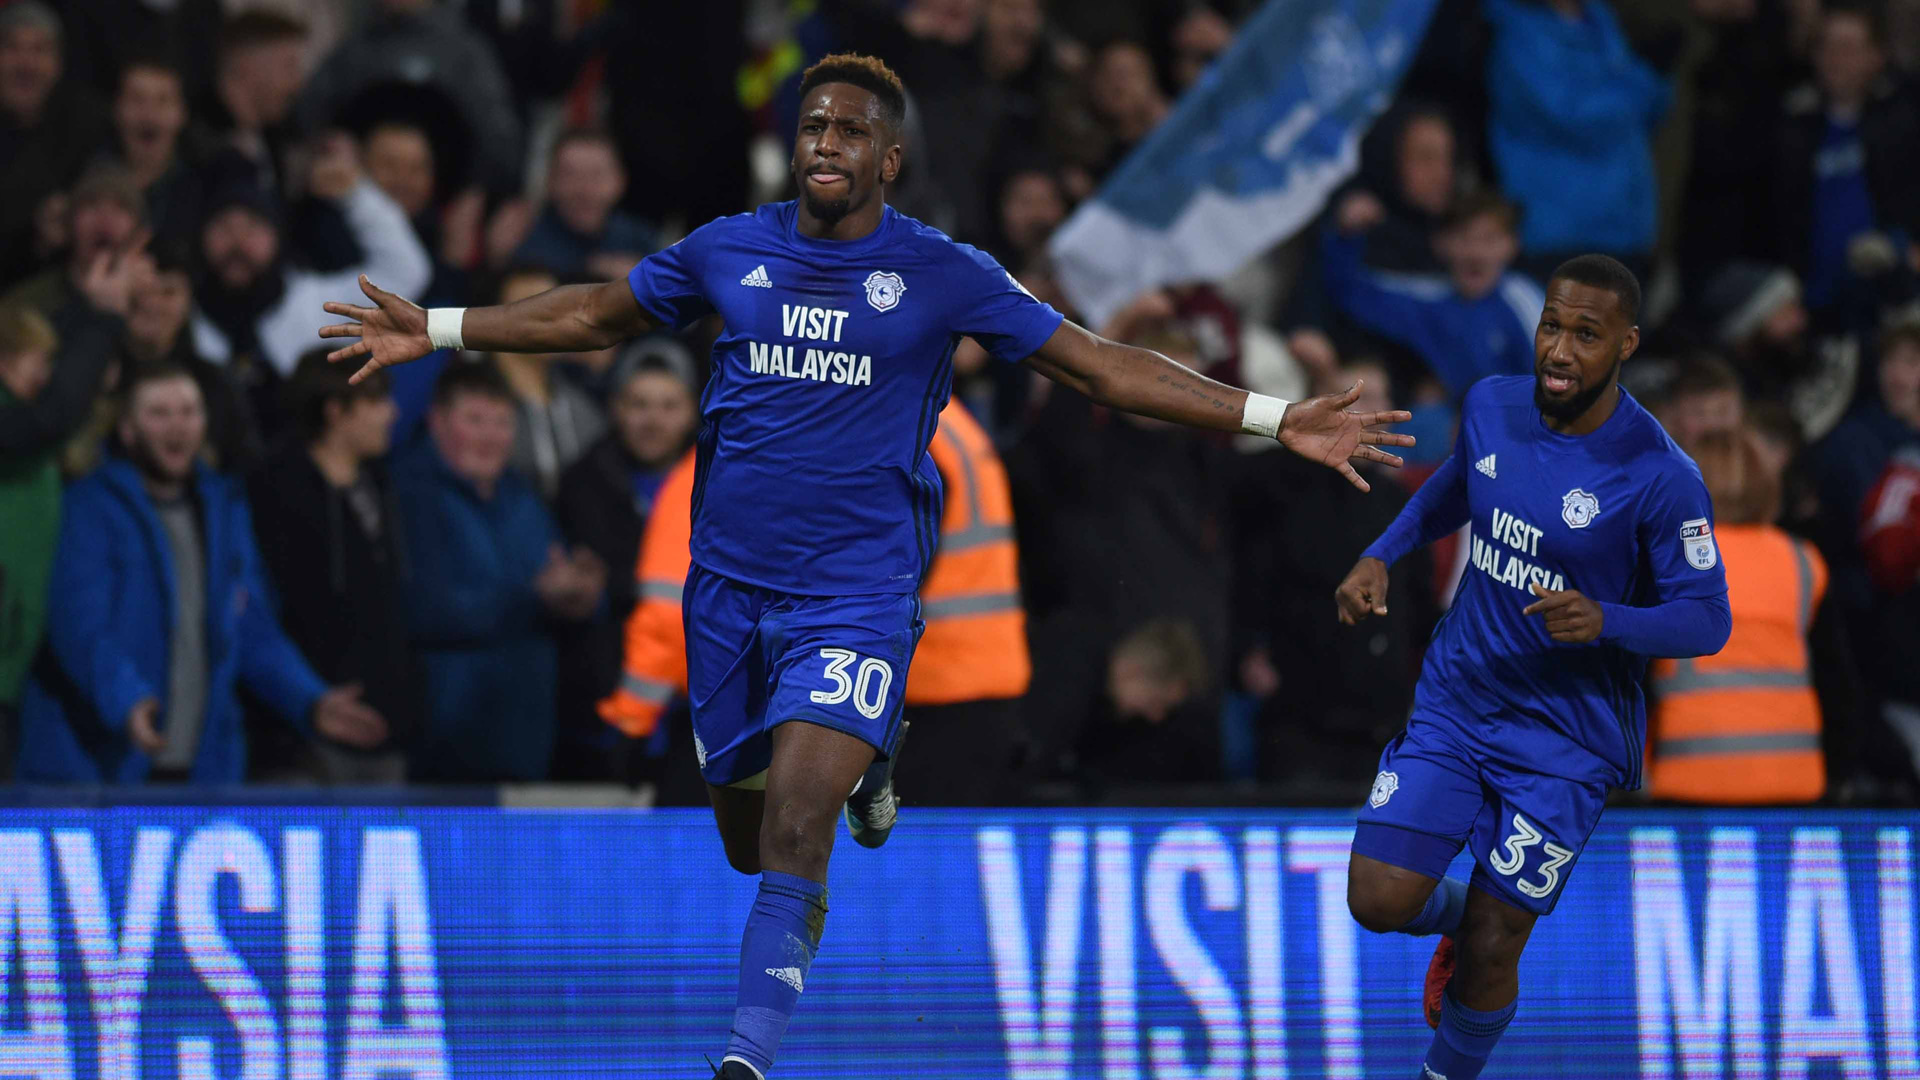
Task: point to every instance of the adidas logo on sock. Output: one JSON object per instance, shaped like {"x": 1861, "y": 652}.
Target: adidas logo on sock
{"x": 1485, "y": 465}
{"x": 758, "y": 279}
{"x": 790, "y": 976}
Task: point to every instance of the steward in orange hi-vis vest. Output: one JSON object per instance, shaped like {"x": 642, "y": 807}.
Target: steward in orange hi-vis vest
{"x": 975, "y": 644}
{"x": 1743, "y": 727}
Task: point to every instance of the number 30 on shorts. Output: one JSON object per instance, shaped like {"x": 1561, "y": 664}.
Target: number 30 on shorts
{"x": 1525, "y": 836}
{"x": 867, "y": 687}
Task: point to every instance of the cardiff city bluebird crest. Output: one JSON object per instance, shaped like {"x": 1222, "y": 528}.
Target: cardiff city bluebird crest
{"x": 1578, "y": 509}
{"x": 884, "y": 289}
{"x": 1384, "y": 786}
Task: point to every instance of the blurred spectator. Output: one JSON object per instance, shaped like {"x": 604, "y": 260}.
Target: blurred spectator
{"x": 1867, "y": 473}
{"x": 1755, "y": 313}
{"x": 1121, "y": 522}
{"x": 1745, "y": 726}
{"x": 605, "y": 501}
{"x": 1738, "y": 85}
{"x": 29, "y": 513}
{"x": 1571, "y": 120}
{"x": 150, "y": 125}
{"x": 261, "y": 64}
{"x": 1330, "y": 695}
{"x": 324, "y": 512}
{"x": 582, "y": 230}
{"x": 556, "y": 422}
{"x": 147, "y": 653}
{"x": 538, "y": 58}
{"x": 1703, "y": 398}
{"x": 48, "y": 129}
{"x": 1200, "y": 36}
{"x": 104, "y": 215}
{"x": 1031, "y": 207}
{"x": 1127, "y": 98}
{"x": 1849, "y": 146}
{"x": 157, "y": 318}
{"x": 1150, "y": 724}
{"x": 488, "y": 577}
{"x": 1410, "y": 162}
{"x": 400, "y": 160}
{"x": 1479, "y": 323}
{"x": 420, "y": 47}
{"x": 256, "y": 305}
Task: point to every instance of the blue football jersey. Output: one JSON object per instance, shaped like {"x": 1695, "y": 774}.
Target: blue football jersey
{"x": 1619, "y": 514}
{"x": 812, "y": 472}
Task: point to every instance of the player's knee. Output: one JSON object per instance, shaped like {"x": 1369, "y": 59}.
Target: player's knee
{"x": 1492, "y": 945}
{"x": 794, "y": 840}
{"x": 1378, "y": 907}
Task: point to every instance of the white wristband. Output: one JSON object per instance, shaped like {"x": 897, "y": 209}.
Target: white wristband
{"x": 1263, "y": 414}
{"x": 443, "y": 327}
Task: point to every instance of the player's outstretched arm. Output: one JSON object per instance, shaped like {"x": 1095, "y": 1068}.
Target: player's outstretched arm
{"x": 571, "y": 318}
{"x": 1142, "y": 381}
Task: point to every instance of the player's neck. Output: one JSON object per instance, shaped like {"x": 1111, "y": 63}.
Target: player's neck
{"x": 1588, "y": 422}
{"x": 854, "y": 225}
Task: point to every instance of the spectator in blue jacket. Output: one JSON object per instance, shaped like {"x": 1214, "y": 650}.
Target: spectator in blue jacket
{"x": 1477, "y": 321}
{"x": 163, "y": 615}
{"x": 1571, "y": 118}
{"x": 489, "y": 577}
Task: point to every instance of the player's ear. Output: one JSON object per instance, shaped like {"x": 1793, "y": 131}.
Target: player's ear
{"x": 1630, "y": 344}
{"x": 890, "y": 163}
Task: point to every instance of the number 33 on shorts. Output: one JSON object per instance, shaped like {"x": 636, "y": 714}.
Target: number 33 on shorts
{"x": 867, "y": 686}
{"x": 1526, "y": 836}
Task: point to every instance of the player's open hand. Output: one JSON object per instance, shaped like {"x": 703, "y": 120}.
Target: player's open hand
{"x": 391, "y": 332}
{"x": 1363, "y": 593}
{"x": 1323, "y": 429}
{"x": 1572, "y": 619}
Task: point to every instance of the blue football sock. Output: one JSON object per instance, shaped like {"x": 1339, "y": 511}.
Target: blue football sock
{"x": 1465, "y": 1040}
{"x": 1445, "y": 904}
{"x": 776, "y": 951}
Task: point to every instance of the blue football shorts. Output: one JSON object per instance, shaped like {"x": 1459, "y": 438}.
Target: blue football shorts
{"x": 758, "y": 658}
{"x": 1434, "y": 794}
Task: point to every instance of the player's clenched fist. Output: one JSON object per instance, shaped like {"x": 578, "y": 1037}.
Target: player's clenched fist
{"x": 1571, "y": 618}
{"x": 1364, "y": 592}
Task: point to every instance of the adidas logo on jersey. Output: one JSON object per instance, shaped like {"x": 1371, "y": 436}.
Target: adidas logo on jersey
{"x": 790, "y": 976}
{"x": 758, "y": 279}
{"x": 1485, "y": 465}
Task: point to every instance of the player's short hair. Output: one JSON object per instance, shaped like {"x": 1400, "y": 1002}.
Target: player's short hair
{"x": 478, "y": 377}
{"x": 869, "y": 73}
{"x": 256, "y": 27}
{"x": 1484, "y": 202}
{"x": 315, "y": 383}
{"x": 1603, "y": 272}
{"x": 23, "y": 330}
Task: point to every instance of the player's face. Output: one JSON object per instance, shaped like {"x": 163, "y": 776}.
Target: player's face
{"x": 844, "y": 151}
{"x": 1578, "y": 348}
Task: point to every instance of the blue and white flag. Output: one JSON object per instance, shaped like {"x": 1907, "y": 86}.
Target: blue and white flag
{"x": 1247, "y": 156}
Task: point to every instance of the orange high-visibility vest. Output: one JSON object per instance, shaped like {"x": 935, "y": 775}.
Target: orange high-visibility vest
{"x": 656, "y": 656}
{"x": 1743, "y": 726}
{"x": 975, "y": 645}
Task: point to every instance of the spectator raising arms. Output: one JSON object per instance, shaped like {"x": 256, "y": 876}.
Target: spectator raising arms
{"x": 163, "y": 615}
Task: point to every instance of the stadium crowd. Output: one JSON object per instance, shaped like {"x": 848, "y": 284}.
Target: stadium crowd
{"x": 220, "y": 562}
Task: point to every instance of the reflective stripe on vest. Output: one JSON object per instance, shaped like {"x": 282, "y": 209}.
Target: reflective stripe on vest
{"x": 974, "y": 604}
{"x": 1707, "y": 745}
{"x": 966, "y": 471}
{"x": 974, "y": 536}
{"x": 661, "y": 590}
{"x": 1687, "y": 678}
{"x": 650, "y": 690}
